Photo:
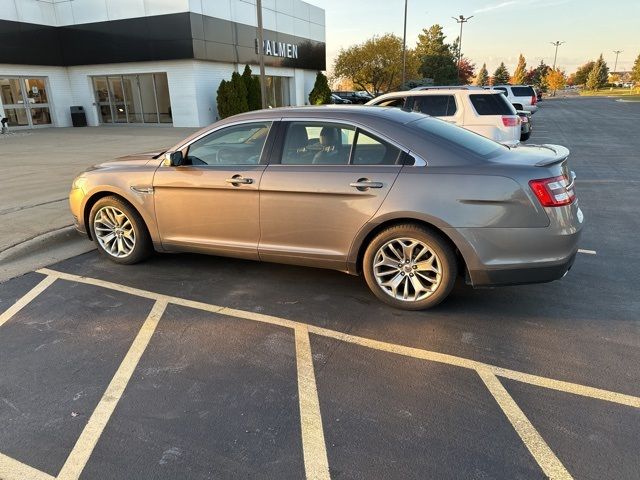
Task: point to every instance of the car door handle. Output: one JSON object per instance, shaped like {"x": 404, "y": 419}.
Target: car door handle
{"x": 239, "y": 180}
{"x": 364, "y": 184}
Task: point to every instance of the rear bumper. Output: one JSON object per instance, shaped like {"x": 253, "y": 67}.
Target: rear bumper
{"x": 522, "y": 274}
{"x": 512, "y": 256}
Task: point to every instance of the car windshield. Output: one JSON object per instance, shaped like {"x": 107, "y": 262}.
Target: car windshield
{"x": 458, "y": 136}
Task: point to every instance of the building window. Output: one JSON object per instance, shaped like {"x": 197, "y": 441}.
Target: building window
{"x": 133, "y": 98}
{"x": 277, "y": 91}
{"x": 25, "y": 101}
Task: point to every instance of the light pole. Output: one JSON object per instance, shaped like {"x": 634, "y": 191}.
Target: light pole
{"x": 404, "y": 46}
{"x": 461, "y": 20}
{"x": 615, "y": 66}
{"x": 555, "y": 57}
{"x": 263, "y": 91}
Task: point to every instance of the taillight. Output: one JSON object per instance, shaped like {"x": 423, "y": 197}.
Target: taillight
{"x": 510, "y": 121}
{"x": 554, "y": 191}
{"x": 534, "y": 99}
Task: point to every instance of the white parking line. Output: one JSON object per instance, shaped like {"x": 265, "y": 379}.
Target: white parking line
{"x": 314, "y": 448}
{"x": 551, "y": 466}
{"x": 93, "y": 429}
{"x": 11, "y": 469}
{"x": 26, "y": 299}
{"x": 588, "y": 252}
{"x": 316, "y": 465}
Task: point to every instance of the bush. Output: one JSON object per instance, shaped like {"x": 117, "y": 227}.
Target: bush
{"x": 321, "y": 93}
{"x": 232, "y": 96}
{"x": 252, "y": 83}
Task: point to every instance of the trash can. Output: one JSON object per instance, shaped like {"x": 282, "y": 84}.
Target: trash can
{"x": 78, "y": 116}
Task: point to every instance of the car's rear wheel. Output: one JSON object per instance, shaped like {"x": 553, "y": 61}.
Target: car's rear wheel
{"x": 525, "y": 136}
{"x": 410, "y": 267}
{"x": 119, "y": 231}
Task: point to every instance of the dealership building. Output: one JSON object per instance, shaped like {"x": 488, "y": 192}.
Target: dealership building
{"x": 156, "y": 62}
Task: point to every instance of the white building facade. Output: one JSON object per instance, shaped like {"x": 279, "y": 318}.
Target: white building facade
{"x": 154, "y": 62}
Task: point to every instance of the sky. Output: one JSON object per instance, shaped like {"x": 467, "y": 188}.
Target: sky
{"x": 500, "y": 29}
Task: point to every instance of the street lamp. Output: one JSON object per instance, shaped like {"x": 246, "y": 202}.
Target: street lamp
{"x": 263, "y": 91}
{"x": 615, "y": 66}
{"x": 461, "y": 20}
{"x": 404, "y": 46}
{"x": 555, "y": 57}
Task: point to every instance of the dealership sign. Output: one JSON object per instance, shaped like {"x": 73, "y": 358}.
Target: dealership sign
{"x": 278, "y": 49}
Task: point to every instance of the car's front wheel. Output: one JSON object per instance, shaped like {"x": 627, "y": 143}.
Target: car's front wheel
{"x": 410, "y": 267}
{"x": 119, "y": 231}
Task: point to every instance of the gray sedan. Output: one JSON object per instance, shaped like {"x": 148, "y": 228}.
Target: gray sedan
{"x": 408, "y": 201}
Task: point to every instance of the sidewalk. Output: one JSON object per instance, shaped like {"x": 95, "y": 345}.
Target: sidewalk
{"x": 39, "y": 165}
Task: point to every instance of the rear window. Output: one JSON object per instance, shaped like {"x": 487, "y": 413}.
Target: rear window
{"x": 434, "y": 105}
{"x": 458, "y": 136}
{"x": 522, "y": 91}
{"x": 493, "y": 104}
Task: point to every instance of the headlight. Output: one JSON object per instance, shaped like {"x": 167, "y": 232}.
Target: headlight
{"x": 78, "y": 182}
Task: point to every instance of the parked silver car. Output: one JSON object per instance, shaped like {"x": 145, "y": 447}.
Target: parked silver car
{"x": 409, "y": 201}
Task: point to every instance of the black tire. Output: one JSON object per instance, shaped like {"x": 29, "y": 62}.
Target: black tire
{"x": 434, "y": 241}
{"x": 525, "y": 136}
{"x": 143, "y": 247}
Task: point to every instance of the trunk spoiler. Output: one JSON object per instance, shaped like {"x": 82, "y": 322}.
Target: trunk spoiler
{"x": 560, "y": 154}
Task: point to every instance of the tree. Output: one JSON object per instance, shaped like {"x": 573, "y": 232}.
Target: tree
{"x": 556, "y": 80}
{"x": 482, "y": 78}
{"x": 375, "y": 65}
{"x": 593, "y": 79}
{"x": 467, "y": 70}
{"x": 321, "y": 93}
{"x": 580, "y": 77}
{"x": 252, "y": 83}
{"x": 501, "y": 75}
{"x": 635, "y": 71}
{"x": 520, "y": 73}
{"x": 437, "y": 59}
{"x": 537, "y": 76}
{"x": 598, "y": 75}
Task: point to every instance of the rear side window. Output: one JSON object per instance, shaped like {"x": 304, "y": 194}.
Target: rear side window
{"x": 522, "y": 91}
{"x": 434, "y": 105}
{"x": 492, "y": 104}
{"x": 458, "y": 137}
{"x": 370, "y": 150}
{"x": 317, "y": 143}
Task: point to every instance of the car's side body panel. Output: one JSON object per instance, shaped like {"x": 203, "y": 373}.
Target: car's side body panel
{"x": 309, "y": 214}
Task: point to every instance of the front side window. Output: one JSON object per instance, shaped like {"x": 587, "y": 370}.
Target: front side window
{"x": 235, "y": 145}
{"x": 317, "y": 143}
{"x": 434, "y": 105}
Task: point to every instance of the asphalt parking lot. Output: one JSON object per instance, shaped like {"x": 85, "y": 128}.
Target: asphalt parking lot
{"x": 198, "y": 367}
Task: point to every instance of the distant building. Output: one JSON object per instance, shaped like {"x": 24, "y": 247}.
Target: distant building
{"x": 149, "y": 61}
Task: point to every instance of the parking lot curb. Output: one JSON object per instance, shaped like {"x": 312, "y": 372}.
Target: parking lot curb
{"x": 42, "y": 250}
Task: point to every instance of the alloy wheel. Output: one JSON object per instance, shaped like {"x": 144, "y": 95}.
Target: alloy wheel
{"x": 407, "y": 269}
{"x": 114, "y": 232}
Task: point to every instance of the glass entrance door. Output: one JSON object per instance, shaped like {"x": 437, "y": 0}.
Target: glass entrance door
{"x": 25, "y": 101}
{"x": 135, "y": 98}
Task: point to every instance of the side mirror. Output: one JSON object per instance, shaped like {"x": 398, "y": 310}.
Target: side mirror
{"x": 173, "y": 159}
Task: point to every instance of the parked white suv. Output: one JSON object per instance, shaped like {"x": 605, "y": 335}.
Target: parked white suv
{"x": 523, "y": 97}
{"x": 486, "y": 112}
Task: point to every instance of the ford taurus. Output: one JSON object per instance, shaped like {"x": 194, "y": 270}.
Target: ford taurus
{"x": 408, "y": 201}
